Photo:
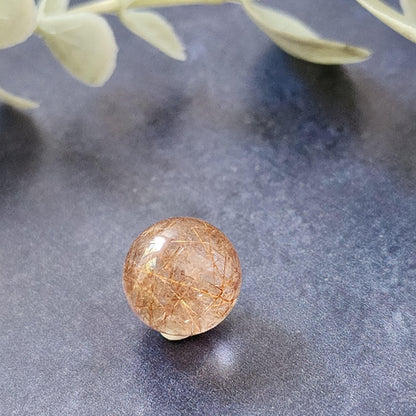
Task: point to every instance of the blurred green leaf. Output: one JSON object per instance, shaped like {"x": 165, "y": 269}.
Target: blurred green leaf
{"x": 83, "y": 43}
{"x": 155, "y": 30}
{"x": 16, "y": 101}
{"x": 53, "y": 6}
{"x": 17, "y": 21}
{"x": 409, "y": 9}
{"x": 390, "y": 17}
{"x": 297, "y": 39}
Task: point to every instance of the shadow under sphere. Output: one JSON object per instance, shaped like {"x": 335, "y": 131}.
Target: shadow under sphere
{"x": 259, "y": 364}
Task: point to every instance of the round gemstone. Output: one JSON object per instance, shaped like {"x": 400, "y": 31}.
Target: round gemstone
{"x": 182, "y": 276}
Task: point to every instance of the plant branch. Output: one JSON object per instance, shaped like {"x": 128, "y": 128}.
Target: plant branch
{"x": 113, "y": 6}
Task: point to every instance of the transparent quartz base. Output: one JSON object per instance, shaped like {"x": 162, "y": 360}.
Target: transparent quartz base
{"x": 172, "y": 337}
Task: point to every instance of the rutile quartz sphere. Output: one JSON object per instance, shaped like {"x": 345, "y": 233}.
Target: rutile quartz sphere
{"x": 182, "y": 277}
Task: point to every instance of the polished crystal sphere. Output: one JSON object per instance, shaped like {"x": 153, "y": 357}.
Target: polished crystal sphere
{"x": 182, "y": 277}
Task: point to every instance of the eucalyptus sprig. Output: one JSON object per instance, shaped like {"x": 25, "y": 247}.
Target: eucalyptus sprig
{"x": 83, "y": 42}
{"x": 403, "y": 23}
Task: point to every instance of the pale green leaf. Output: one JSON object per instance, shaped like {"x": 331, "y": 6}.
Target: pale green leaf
{"x": 409, "y": 9}
{"x": 17, "y": 21}
{"x": 295, "y": 38}
{"x": 124, "y": 4}
{"x": 83, "y": 43}
{"x": 16, "y": 101}
{"x": 390, "y": 17}
{"x": 155, "y": 30}
{"x": 52, "y": 6}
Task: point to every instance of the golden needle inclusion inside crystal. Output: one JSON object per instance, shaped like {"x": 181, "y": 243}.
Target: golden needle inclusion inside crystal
{"x": 182, "y": 276}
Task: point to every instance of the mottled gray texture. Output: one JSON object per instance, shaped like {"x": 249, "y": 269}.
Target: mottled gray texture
{"x": 309, "y": 170}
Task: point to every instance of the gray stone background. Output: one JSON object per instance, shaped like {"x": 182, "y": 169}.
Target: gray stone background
{"x": 309, "y": 170}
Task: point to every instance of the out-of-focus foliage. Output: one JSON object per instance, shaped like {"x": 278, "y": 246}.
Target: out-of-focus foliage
{"x": 83, "y": 41}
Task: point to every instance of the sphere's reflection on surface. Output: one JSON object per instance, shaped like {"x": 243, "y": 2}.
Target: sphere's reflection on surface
{"x": 245, "y": 361}
{"x": 223, "y": 358}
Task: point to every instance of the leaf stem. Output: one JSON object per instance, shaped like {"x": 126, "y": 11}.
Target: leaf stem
{"x": 169, "y": 3}
{"x": 113, "y": 6}
{"x": 100, "y": 7}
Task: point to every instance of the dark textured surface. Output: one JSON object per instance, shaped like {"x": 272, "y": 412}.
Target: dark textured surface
{"x": 309, "y": 170}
